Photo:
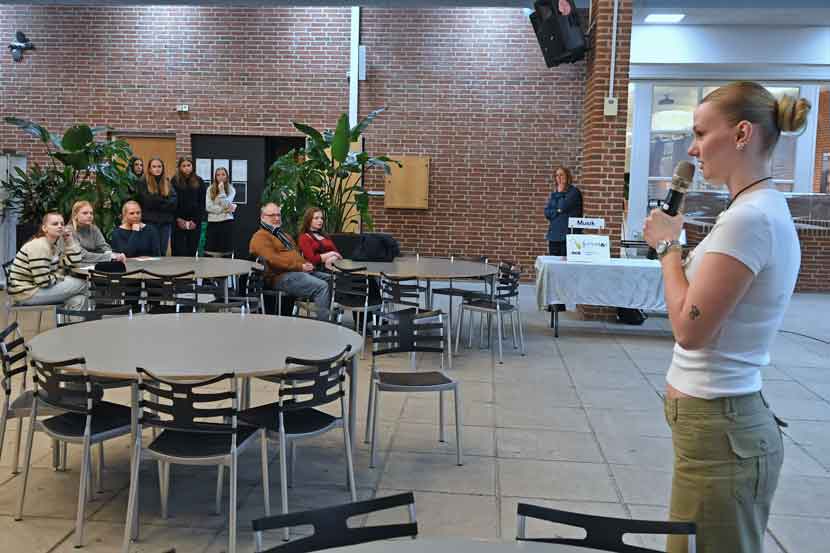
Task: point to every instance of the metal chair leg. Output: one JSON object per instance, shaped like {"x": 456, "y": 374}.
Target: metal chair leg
{"x": 459, "y": 327}
{"x": 347, "y": 443}
{"x": 82, "y": 494}
{"x": 266, "y": 492}
{"x": 372, "y": 459}
{"x": 283, "y": 481}
{"x": 132, "y": 499}
{"x": 370, "y": 408}
{"x": 232, "y": 503}
{"x": 292, "y": 458}
{"x": 16, "y": 465}
{"x": 28, "y": 460}
{"x": 99, "y": 481}
{"x": 522, "y": 344}
{"x": 513, "y": 330}
{"x": 164, "y": 486}
{"x": 219, "y": 475}
{"x": 3, "y": 419}
{"x": 459, "y": 451}
{"x": 498, "y": 328}
{"x": 441, "y": 437}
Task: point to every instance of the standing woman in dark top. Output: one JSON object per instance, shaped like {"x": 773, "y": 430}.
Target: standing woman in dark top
{"x": 158, "y": 201}
{"x": 564, "y": 202}
{"x": 190, "y": 208}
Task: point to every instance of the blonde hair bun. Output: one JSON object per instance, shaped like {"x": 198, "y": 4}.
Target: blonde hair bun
{"x": 791, "y": 114}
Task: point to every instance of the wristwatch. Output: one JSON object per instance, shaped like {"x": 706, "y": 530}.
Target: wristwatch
{"x": 665, "y": 246}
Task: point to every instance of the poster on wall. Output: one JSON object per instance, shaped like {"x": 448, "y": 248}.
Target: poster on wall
{"x": 239, "y": 179}
{"x": 204, "y": 170}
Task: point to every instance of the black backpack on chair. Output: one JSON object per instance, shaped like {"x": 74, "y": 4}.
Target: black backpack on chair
{"x": 376, "y": 247}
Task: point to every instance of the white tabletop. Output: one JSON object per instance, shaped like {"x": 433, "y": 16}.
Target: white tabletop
{"x": 425, "y": 268}
{"x": 193, "y": 345}
{"x": 616, "y": 282}
{"x": 204, "y": 267}
{"x": 456, "y": 545}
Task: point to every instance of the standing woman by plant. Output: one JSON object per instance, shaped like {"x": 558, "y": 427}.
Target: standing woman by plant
{"x": 190, "y": 208}
{"x": 220, "y": 208}
{"x": 136, "y": 167}
{"x": 158, "y": 202}
{"x": 38, "y": 275}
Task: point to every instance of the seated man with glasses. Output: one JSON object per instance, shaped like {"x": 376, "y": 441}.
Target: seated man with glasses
{"x": 285, "y": 268}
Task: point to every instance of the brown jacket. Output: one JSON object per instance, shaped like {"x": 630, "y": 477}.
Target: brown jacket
{"x": 278, "y": 260}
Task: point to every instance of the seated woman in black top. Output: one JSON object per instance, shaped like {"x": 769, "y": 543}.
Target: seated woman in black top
{"x": 133, "y": 237}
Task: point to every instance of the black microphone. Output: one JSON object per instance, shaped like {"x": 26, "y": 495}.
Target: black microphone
{"x": 680, "y": 183}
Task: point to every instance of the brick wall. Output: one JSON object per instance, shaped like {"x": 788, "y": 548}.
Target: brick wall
{"x": 467, "y": 87}
{"x": 604, "y": 136}
{"x": 822, "y": 138}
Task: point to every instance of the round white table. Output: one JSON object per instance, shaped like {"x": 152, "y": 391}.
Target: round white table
{"x": 198, "y": 345}
{"x": 457, "y": 545}
{"x": 424, "y": 268}
{"x": 427, "y": 269}
{"x": 203, "y": 267}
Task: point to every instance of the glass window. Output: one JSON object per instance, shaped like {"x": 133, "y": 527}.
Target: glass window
{"x": 672, "y": 117}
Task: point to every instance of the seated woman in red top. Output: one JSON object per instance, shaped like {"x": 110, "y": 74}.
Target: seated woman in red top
{"x": 318, "y": 249}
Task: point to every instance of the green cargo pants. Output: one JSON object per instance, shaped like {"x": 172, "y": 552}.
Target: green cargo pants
{"x": 727, "y": 457}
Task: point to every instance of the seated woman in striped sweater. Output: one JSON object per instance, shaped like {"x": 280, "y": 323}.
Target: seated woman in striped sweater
{"x": 39, "y": 276}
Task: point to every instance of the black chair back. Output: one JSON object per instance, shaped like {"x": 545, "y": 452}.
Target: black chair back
{"x": 400, "y": 291}
{"x": 65, "y": 385}
{"x": 507, "y": 282}
{"x": 421, "y": 332}
{"x": 350, "y": 288}
{"x": 68, "y": 317}
{"x": 115, "y": 288}
{"x": 322, "y": 383}
{"x": 188, "y": 406}
{"x": 331, "y": 527}
{"x": 601, "y": 533}
{"x": 14, "y": 356}
{"x": 165, "y": 290}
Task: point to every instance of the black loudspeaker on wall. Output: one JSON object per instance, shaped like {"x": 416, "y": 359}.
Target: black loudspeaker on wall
{"x": 559, "y": 34}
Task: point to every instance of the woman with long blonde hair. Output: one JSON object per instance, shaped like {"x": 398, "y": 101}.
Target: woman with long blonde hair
{"x": 220, "y": 208}
{"x": 158, "y": 201}
{"x": 94, "y": 247}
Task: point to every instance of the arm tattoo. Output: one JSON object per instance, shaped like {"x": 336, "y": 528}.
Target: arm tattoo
{"x": 694, "y": 312}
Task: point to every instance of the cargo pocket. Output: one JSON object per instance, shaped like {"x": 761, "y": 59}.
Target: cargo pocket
{"x": 759, "y": 451}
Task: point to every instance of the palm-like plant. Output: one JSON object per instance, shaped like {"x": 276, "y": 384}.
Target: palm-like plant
{"x": 327, "y": 174}
{"x": 80, "y": 168}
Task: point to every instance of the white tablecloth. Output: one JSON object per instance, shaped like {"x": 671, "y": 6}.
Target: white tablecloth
{"x": 618, "y": 282}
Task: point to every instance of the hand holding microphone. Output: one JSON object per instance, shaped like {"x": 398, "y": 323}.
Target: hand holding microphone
{"x": 663, "y": 224}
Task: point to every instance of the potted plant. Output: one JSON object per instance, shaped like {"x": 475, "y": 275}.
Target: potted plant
{"x": 327, "y": 174}
{"x": 79, "y": 168}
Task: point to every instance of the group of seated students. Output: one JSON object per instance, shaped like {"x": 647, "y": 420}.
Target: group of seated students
{"x": 41, "y": 271}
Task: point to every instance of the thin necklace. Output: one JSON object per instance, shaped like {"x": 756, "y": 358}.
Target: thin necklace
{"x": 742, "y": 190}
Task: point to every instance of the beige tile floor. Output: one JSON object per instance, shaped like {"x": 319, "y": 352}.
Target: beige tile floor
{"x": 577, "y": 424}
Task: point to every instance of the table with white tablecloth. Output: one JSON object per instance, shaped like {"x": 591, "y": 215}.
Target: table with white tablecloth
{"x": 616, "y": 282}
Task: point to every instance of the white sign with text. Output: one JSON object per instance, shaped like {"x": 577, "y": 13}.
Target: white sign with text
{"x": 585, "y": 222}
{"x": 587, "y": 248}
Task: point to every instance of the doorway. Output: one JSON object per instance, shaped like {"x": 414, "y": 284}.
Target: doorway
{"x": 149, "y": 146}
{"x": 247, "y": 159}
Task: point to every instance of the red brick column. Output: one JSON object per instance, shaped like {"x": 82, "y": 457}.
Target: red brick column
{"x": 822, "y": 136}
{"x": 603, "y": 158}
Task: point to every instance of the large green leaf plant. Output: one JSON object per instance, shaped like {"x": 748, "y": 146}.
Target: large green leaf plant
{"x": 79, "y": 168}
{"x": 327, "y": 174}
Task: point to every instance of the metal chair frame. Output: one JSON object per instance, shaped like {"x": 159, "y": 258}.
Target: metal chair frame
{"x": 411, "y": 334}
{"x": 15, "y": 361}
{"x": 178, "y": 407}
{"x": 331, "y": 527}
{"x": 300, "y": 392}
{"x": 505, "y": 301}
{"x": 165, "y": 290}
{"x": 348, "y": 288}
{"x": 601, "y": 533}
{"x": 66, "y": 386}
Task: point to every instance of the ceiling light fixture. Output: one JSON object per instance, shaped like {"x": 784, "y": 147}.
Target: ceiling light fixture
{"x": 665, "y": 17}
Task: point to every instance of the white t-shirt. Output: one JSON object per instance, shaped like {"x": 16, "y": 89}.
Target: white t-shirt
{"x": 758, "y": 231}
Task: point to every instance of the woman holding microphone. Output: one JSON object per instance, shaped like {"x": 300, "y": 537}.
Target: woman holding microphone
{"x": 726, "y": 302}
